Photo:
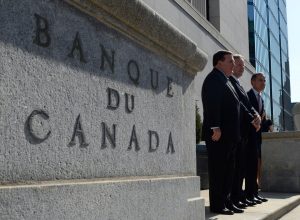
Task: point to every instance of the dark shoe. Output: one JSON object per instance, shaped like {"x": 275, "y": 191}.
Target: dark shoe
{"x": 249, "y": 202}
{"x": 261, "y": 198}
{"x": 234, "y": 209}
{"x": 257, "y": 201}
{"x": 240, "y": 205}
{"x": 224, "y": 211}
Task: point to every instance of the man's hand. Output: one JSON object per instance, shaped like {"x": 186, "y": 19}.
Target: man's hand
{"x": 217, "y": 134}
{"x": 256, "y": 122}
{"x": 257, "y": 119}
{"x": 256, "y": 126}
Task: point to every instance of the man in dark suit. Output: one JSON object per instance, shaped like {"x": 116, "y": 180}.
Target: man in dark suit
{"x": 248, "y": 117}
{"x": 254, "y": 142}
{"x": 221, "y": 131}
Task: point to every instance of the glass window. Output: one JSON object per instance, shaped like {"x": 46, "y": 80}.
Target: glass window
{"x": 250, "y": 10}
{"x": 261, "y": 52}
{"x": 274, "y": 26}
{"x": 275, "y": 69}
{"x": 277, "y": 115}
{"x": 284, "y": 78}
{"x": 274, "y": 47}
{"x": 276, "y": 92}
{"x": 267, "y": 88}
{"x": 261, "y": 68}
{"x": 286, "y": 101}
{"x": 273, "y": 5}
{"x": 287, "y": 85}
{"x": 284, "y": 65}
{"x": 251, "y": 33}
{"x": 282, "y": 8}
{"x": 267, "y": 105}
{"x": 284, "y": 44}
{"x": 283, "y": 26}
{"x": 287, "y": 68}
{"x": 262, "y": 8}
{"x": 261, "y": 29}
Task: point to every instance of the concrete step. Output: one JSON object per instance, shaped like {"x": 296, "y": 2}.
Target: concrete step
{"x": 292, "y": 215}
{"x": 278, "y": 205}
{"x": 125, "y": 198}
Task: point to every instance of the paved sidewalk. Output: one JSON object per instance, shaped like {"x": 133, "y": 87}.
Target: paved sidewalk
{"x": 278, "y": 205}
{"x": 292, "y": 215}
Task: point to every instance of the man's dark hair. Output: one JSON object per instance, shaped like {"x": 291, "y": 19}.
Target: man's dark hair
{"x": 220, "y": 56}
{"x": 255, "y": 75}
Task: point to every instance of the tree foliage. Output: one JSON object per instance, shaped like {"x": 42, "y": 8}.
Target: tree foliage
{"x": 198, "y": 126}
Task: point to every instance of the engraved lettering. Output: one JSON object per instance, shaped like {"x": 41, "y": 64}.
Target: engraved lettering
{"x": 170, "y": 91}
{"x": 42, "y": 37}
{"x": 33, "y": 137}
{"x": 129, "y": 110}
{"x": 110, "y": 94}
{"x": 109, "y": 59}
{"x": 133, "y": 139}
{"x": 170, "y": 145}
{"x": 78, "y": 131}
{"x": 133, "y": 71}
{"x": 154, "y": 82}
{"x": 155, "y": 135}
{"x": 77, "y": 46}
{"x": 106, "y": 134}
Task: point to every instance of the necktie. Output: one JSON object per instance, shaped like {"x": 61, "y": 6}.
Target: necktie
{"x": 259, "y": 102}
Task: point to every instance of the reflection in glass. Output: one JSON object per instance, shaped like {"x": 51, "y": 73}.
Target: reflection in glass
{"x": 268, "y": 50}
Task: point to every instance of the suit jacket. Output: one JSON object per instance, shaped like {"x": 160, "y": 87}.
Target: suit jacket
{"x": 254, "y": 102}
{"x": 221, "y": 107}
{"x": 247, "y": 111}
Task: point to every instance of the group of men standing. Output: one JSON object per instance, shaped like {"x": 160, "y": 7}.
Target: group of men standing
{"x": 232, "y": 132}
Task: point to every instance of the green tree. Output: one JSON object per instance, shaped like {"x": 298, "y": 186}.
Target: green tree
{"x": 198, "y": 126}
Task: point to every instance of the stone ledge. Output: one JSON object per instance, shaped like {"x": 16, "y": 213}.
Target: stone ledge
{"x": 296, "y": 108}
{"x": 33, "y": 184}
{"x": 142, "y": 24}
{"x": 158, "y": 198}
{"x": 281, "y": 135}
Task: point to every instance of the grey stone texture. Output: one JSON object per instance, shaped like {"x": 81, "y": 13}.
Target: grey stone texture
{"x": 38, "y": 78}
{"x": 281, "y": 164}
{"x": 72, "y": 143}
{"x": 234, "y": 24}
{"x": 142, "y": 21}
{"x": 296, "y": 116}
{"x": 156, "y": 198}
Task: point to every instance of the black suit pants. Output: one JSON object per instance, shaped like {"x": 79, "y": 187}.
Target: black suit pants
{"x": 221, "y": 157}
{"x": 251, "y": 188}
{"x": 239, "y": 171}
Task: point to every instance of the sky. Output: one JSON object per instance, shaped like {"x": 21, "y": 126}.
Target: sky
{"x": 293, "y": 20}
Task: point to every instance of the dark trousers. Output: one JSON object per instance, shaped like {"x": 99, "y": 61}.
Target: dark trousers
{"x": 251, "y": 188}
{"x": 239, "y": 171}
{"x": 221, "y": 157}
